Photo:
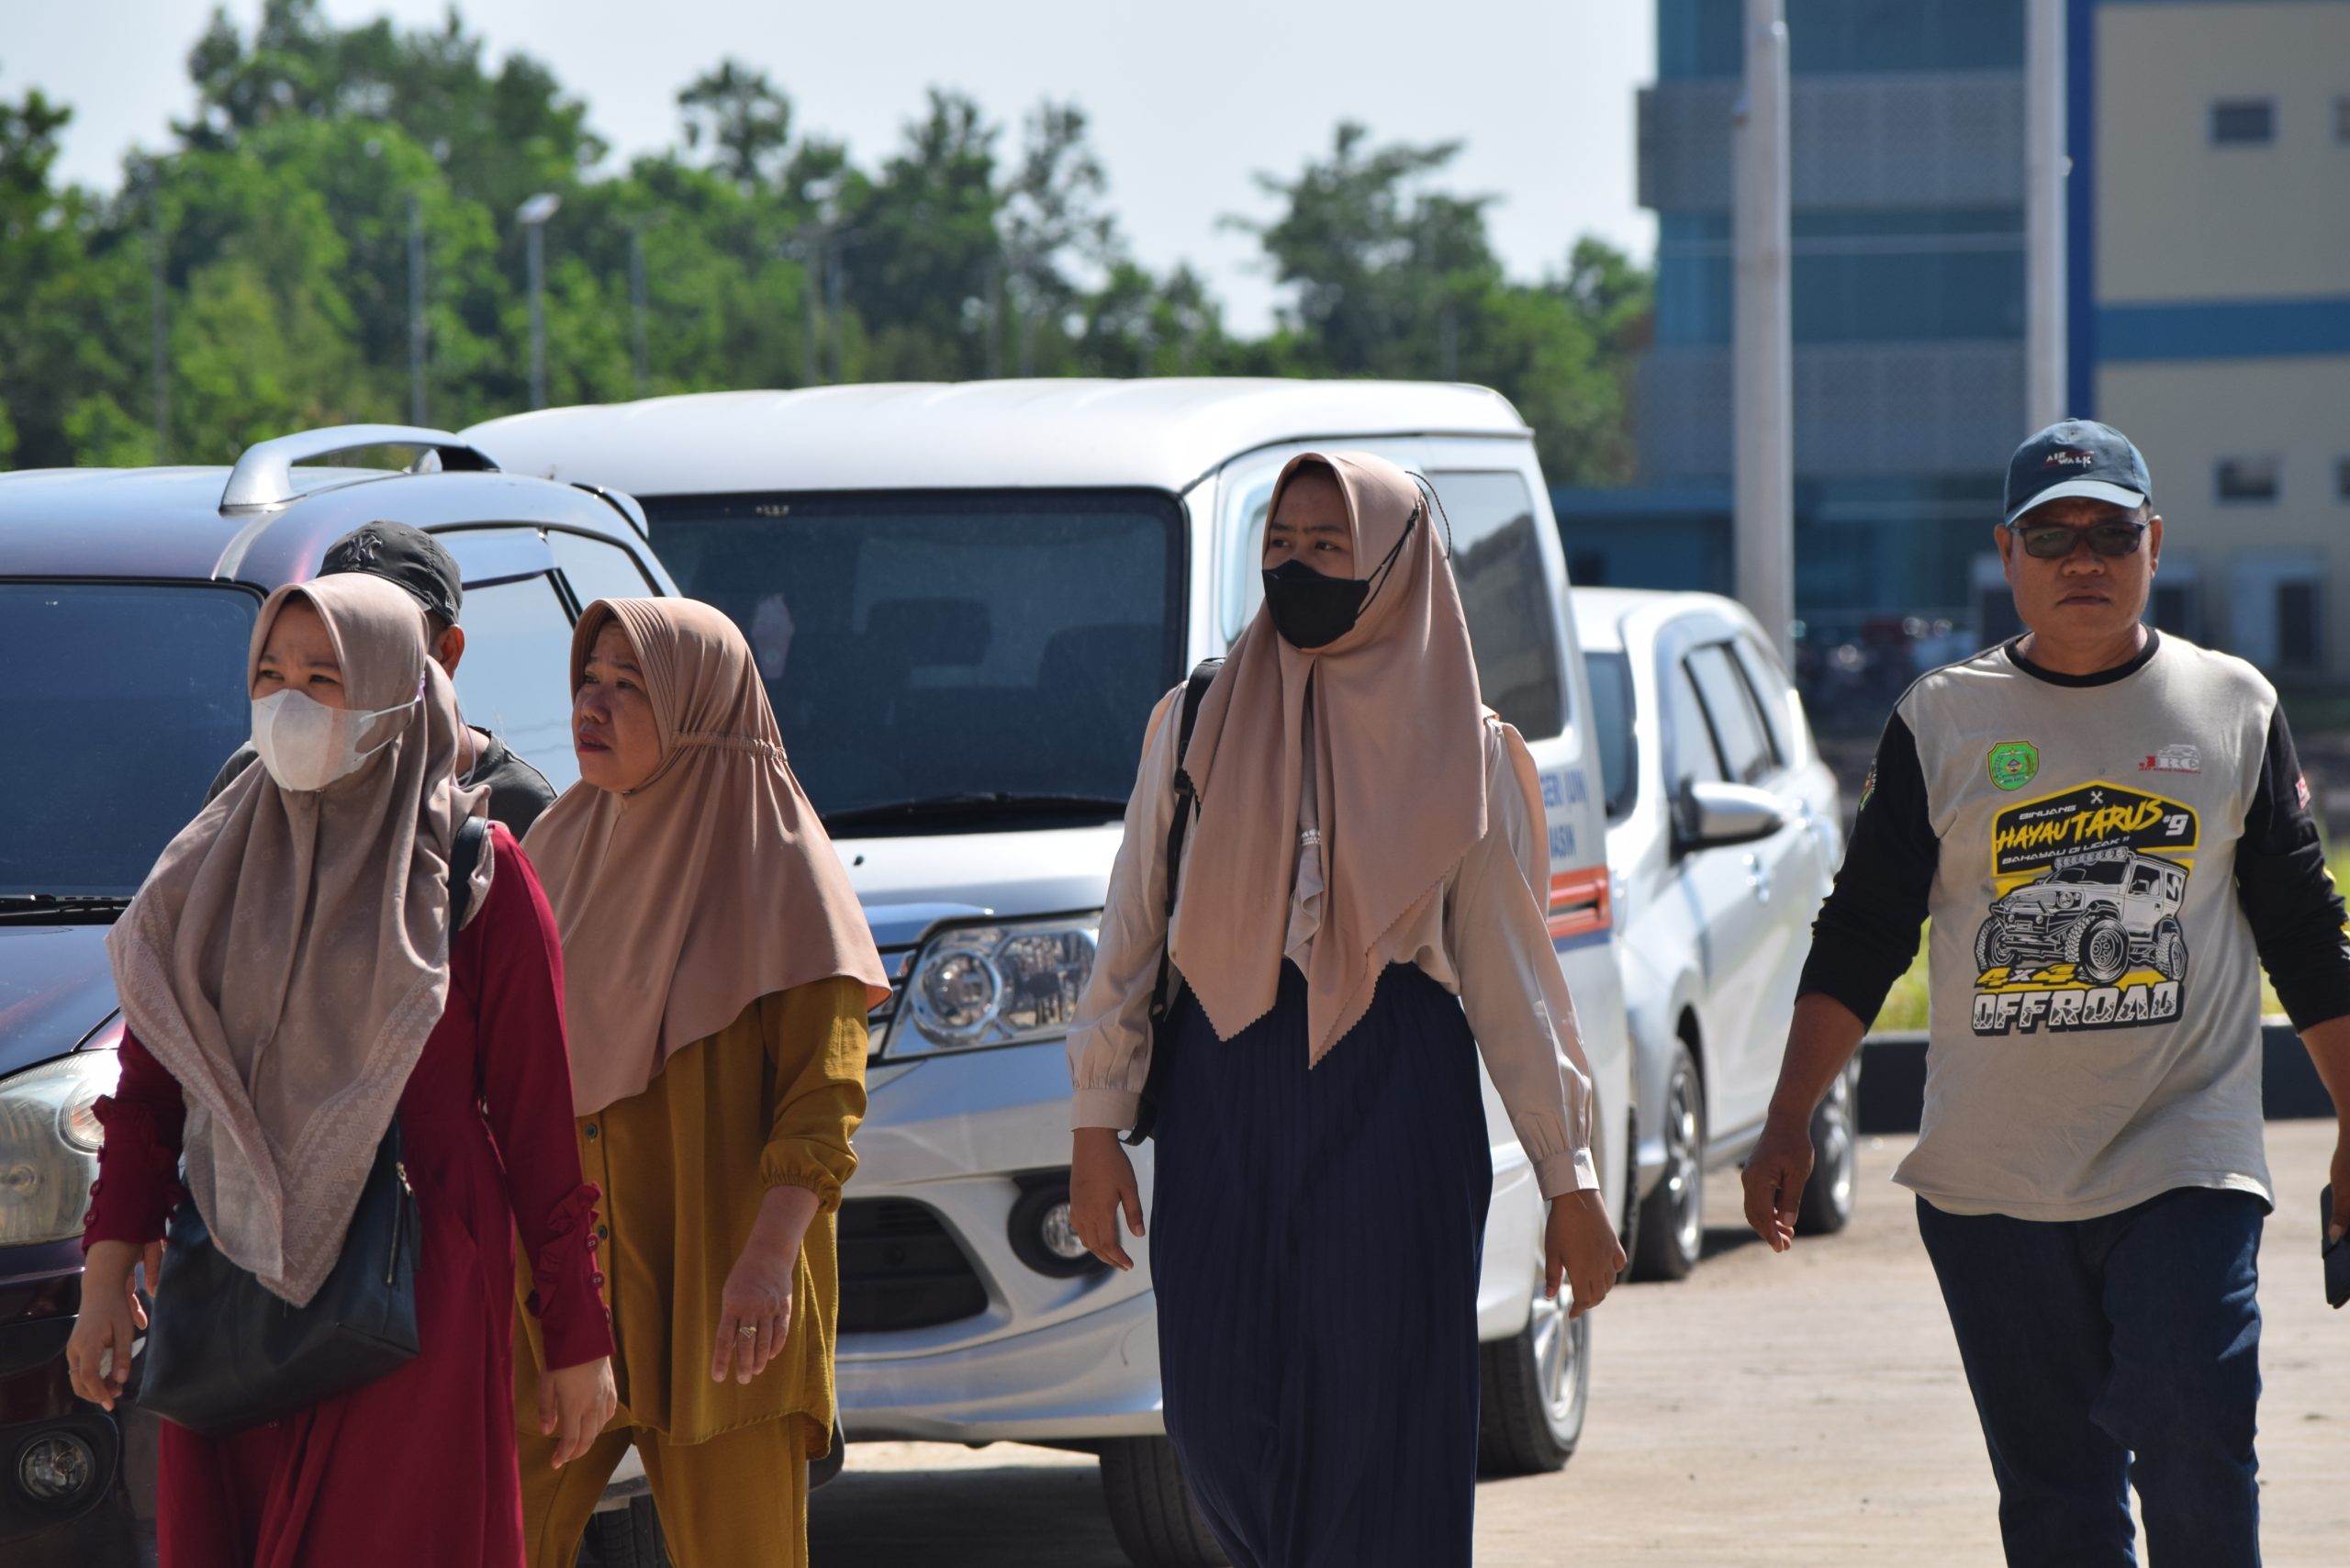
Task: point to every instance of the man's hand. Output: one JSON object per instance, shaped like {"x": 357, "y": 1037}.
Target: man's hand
{"x": 574, "y": 1405}
{"x": 98, "y": 1357}
{"x": 1579, "y": 1245}
{"x": 1101, "y": 1184}
{"x": 1774, "y": 1176}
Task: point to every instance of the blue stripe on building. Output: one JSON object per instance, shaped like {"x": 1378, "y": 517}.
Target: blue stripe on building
{"x": 2237, "y": 329}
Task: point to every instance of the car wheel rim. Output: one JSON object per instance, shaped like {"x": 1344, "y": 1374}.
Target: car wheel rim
{"x": 1682, "y": 1179}
{"x": 1558, "y": 1364}
{"x": 1835, "y": 1141}
{"x": 2108, "y": 951}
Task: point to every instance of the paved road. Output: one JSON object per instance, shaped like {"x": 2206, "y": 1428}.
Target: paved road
{"x": 1806, "y": 1409}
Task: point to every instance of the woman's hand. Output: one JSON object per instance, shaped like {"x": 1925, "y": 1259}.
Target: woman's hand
{"x": 575, "y": 1402}
{"x": 1579, "y": 1244}
{"x": 754, "y": 1309}
{"x": 1101, "y": 1183}
{"x": 97, "y": 1358}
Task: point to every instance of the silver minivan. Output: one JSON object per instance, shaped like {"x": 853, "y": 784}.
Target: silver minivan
{"x": 965, "y": 601}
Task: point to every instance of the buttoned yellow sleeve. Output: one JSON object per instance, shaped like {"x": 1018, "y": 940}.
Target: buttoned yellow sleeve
{"x": 1108, "y": 1042}
{"x": 815, "y": 1039}
{"x": 1497, "y": 933}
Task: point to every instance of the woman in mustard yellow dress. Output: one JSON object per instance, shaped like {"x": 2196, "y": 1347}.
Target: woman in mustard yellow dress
{"x": 717, "y": 975}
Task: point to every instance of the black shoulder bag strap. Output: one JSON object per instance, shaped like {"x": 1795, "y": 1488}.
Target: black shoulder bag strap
{"x": 464, "y": 856}
{"x": 1162, "y": 994}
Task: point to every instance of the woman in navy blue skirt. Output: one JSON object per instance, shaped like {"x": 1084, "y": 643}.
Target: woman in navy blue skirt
{"x": 1360, "y": 911}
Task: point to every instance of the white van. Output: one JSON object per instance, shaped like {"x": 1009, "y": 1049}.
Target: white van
{"x": 965, "y": 601}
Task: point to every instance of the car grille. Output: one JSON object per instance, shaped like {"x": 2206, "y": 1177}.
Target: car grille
{"x": 900, "y": 1268}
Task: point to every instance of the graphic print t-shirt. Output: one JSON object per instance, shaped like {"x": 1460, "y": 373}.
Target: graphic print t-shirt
{"x": 2106, "y": 860}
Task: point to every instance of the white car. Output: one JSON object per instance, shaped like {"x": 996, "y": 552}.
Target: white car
{"x": 965, "y": 601}
{"x": 1723, "y": 835}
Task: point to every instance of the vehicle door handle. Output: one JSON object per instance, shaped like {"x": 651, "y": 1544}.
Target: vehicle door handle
{"x": 1758, "y": 877}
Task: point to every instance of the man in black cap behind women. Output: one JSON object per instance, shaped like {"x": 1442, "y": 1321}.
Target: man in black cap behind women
{"x": 2112, "y": 836}
{"x": 416, "y": 560}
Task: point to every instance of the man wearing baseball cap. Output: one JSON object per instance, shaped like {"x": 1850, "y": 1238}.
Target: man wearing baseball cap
{"x": 418, "y": 562}
{"x": 2110, "y": 833}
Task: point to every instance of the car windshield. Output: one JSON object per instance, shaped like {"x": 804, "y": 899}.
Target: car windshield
{"x": 122, "y": 701}
{"x": 1611, "y": 718}
{"x": 2105, "y": 871}
{"x": 973, "y": 656}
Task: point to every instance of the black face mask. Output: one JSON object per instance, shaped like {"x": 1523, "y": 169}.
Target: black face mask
{"x": 1312, "y": 610}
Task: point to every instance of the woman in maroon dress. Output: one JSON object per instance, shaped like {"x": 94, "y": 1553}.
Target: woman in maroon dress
{"x": 288, "y": 978}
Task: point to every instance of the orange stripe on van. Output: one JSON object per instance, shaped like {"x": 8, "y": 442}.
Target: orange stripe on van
{"x": 1580, "y": 902}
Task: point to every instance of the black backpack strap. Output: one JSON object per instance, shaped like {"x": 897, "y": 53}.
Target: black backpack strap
{"x": 464, "y": 856}
{"x": 1187, "y": 798}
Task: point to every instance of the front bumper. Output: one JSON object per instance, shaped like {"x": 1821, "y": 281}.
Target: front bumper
{"x": 1026, "y": 1356}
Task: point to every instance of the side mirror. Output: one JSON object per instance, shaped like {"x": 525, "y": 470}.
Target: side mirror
{"x": 1712, "y": 817}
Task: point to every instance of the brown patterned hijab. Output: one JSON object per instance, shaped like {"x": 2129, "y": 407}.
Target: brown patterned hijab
{"x": 1397, "y": 759}
{"x": 705, "y": 888}
{"x": 288, "y": 956}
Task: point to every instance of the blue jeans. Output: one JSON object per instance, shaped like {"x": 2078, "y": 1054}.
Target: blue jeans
{"x": 2109, "y": 1352}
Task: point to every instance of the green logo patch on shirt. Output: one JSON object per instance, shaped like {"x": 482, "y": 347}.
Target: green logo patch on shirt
{"x": 2013, "y": 763}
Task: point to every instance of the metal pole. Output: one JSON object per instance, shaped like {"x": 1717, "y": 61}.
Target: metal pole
{"x": 416, "y": 338}
{"x": 638, "y": 308}
{"x": 1763, "y": 351}
{"x": 812, "y": 282}
{"x": 833, "y": 284}
{"x": 161, "y": 324}
{"x": 538, "y": 316}
{"x": 2045, "y": 169}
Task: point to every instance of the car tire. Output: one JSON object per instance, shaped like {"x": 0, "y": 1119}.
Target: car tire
{"x": 625, "y": 1538}
{"x": 1151, "y": 1508}
{"x": 1827, "y": 1205}
{"x": 2170, "y": 950}
{"x": 1533, "y": 1390}
{"x": 1672, "y": 1229}
{"x": 1992, "y": 948}
{"x": 2099, "y": 949}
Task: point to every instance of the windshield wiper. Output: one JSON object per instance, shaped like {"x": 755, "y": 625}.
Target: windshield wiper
{"x": 982, "y": 803}
{"x": 60, "y": 907}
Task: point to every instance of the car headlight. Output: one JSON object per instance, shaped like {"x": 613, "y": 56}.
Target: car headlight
{"x": 998, "y": 984}
{"x": 48, "y": 1146}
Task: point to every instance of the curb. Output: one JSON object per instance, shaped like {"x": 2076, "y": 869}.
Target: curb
{"x": 1893, "y": 1079}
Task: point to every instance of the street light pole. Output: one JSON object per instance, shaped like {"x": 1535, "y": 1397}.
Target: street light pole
{"x": 533, "y": 215}
{"x": 2045, "y": 170}
{"x": 638, "y": 309}
{"x": 1763, "y": 349}
{"x": 416, "y": 338}
{"x": 159, "y": 323}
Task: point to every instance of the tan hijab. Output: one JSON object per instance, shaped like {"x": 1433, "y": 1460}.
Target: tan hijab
{"x": 288, "y": 955}
{"x": 1398, "y": 761}
{"x": 705, "y": 888}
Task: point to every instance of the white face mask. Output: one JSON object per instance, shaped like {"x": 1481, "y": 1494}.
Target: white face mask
{"x": 307, "y": 746}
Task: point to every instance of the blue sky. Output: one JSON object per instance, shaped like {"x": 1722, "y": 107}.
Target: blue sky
{"x": 1187, "y": 100}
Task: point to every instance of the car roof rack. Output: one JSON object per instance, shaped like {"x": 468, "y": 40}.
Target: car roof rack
{"x": 264, "y": 477}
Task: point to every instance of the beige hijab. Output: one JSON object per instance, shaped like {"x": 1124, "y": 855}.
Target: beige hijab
{"x": 288, "y": 955}
{"x": 1398, "y": 773}
{"x": 705, "y": 888}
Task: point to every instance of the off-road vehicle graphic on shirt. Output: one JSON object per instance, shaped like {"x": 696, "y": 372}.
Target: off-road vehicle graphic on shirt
{"x": 2083, "y": 930}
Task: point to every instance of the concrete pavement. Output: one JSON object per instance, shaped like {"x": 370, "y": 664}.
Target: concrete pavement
{"x": 1806, "y": 1409}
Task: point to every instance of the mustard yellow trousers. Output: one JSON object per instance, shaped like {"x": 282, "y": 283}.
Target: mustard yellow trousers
{"x": 737, "y": 1500}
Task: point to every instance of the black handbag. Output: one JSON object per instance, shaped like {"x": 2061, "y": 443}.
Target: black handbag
{"x": 224, "y": 1353}
{"x": 1163, "y": 992}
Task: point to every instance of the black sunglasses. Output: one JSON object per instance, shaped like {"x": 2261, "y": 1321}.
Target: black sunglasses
{"x": 2055, "y": 541}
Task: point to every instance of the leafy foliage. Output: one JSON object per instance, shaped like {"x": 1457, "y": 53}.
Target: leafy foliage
{"x": 273, "y": 242}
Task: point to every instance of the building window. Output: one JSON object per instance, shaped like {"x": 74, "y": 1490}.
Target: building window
{"x": 2278, "y": 615}
{"x": 2246, "y": 479}
{"x": 2244, "y": 122}
{"x": 2341, "y": 480}
{"x": 2341, "y": 119}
